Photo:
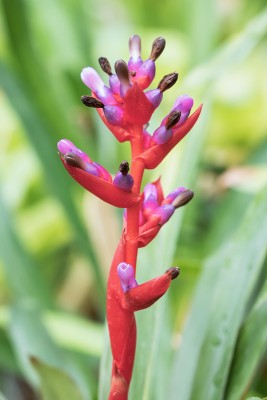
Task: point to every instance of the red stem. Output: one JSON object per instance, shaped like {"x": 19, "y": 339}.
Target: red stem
{"x": 137, "y": 171}
{"x": 121, "y": 322}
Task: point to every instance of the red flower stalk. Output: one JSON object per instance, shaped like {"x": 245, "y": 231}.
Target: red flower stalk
{"x": 126, "y": 109}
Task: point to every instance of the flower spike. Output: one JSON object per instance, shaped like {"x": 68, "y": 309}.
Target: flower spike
{"x": 126, "y": 108}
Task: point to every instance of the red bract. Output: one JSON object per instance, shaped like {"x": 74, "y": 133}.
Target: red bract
{"x": 106, "y": 191}
{"x": 137, "y": 107}
{"x": 156, "y": 153}
{"x": 126, "y": 109}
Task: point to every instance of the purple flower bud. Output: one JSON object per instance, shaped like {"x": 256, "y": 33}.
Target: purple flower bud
{"x": 114, "y": 114}
{"x": 183, "y": 104}
{"x": 162, "y": 135}
{"x": 124, "y": 182}
{"x": 164, "y": 212}
{"x": 172, "y": 196}
{"x": 126, "y": 276}
{"x": 149, "y": 190}
{"x": 154, "y": 96}
{"x": 150, "y": 202}
{"x": 114, "y": 84}
{"x": 66, "y": 146}
{"x": 92, "y": 169}
{"x": 91, "y": 79}
{"x": 135, "y": 60}
{"x": 147, "y": 70}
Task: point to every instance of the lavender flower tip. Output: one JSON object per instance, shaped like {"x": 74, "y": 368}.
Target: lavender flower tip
{"x": 126, "y": 276}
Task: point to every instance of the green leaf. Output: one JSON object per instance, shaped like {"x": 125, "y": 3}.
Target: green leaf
{"x": 256, "y": 398}
{"x": 25, "y": 81}
{"x": 2, "y": 397}
{"x": 105, "y": 368}
{"x": 8, "y": 361}
{"x": 224, "y": 290}
{"x": 67, "y": 330}
{"x": 31, "y": 339}
{"x": 75, "y": 333}
{"x": 22, "y": 274}
{"x": 55, "y": 384}
{"x": 45, "y": 147}
{"x": 251, "y": 347}
{"x": 229, "y": 54}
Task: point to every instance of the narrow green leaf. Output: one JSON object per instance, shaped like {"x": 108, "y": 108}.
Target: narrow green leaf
{"x": 53, "y": 170}
{"x": 68, "y": 331}
{"x": 23, "y": 275}
{"x": 30, "y": 339}
{"x": 41, "y": 110}
{"x": 55, "y": 384}
{"x": 236, "y": 50}
{"x": 75, "y": 333}
{"x": 8, "y": 361}
{"x": 228, "y": 280}
{"x": 105, "y": 368}
{"x": 256, "y": 398}
{"x": 251, "y": 347}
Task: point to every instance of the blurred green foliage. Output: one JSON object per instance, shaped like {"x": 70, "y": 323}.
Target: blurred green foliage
{"x": 207, "y": 339}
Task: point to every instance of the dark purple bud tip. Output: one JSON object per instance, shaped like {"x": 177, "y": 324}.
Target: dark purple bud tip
{"x": 105, "y": 65}
{"x": 75, "y": 161}
{"x": 157, "y": 48}
{"x": 124, "y": 167}
{"x": 122, "y": 71}
{"x": 183, "y": 198}
{"x": 167, "y": 81}
{"x": 172, "y": 119}
{"x": 174, "y": 271}
{"x": 90, "y": 101}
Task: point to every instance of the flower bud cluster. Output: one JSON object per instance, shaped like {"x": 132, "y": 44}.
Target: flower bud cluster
{"x": 157, "y": 210}
{"x": 77, "y": 158}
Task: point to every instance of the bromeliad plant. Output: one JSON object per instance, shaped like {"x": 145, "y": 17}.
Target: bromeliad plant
{"x": 126, "y": 108}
